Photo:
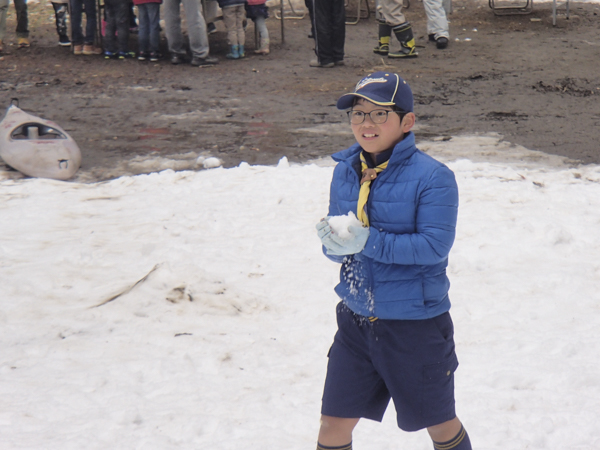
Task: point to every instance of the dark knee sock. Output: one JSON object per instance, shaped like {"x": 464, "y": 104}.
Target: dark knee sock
{"x": 341, "y": 447}
{"x": 459, "y": 442}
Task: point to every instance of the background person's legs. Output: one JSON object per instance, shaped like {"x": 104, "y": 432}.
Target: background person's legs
{"x": 153, "y": 10}
{"x": 196, "y": 28}
{"x": 437, "y": 22}
{"x": 76, "y": 19}
{"x": 22, "y": 23}
{"x": 122, "y": 11}
{"x": 263, "y": 32}
{"x": 91, "y": 22}
{"x": 60, "y": 17}
{"x": 3, "y": 11}
{"x": 171, "y": 10}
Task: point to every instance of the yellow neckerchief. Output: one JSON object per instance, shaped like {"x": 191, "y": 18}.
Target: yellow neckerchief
{"x": 368, "y": 175}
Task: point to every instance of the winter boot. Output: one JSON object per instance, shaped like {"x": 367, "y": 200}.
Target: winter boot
{"x": 383, "y": 47}
{"x": 441, "y": 42}
{"x": 241, "y": 51}
{"x": 64, "y": 41}
{"x": 405, "y": 36}
{"x": 234, "y": 53}
{"x": 23, "y": 42}
{"x": 264, "y": 47}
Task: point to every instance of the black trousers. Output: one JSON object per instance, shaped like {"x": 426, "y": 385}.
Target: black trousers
{"x": 22, "y": 20}
{"x": 60, "y": 14}
{"x": 330, "y": 30}
{"x": 117, "y": 20}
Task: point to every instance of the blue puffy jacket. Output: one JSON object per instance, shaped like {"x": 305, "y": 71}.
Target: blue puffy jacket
{"x": 412, "y": 209}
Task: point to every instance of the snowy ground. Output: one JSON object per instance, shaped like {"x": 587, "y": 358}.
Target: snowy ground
{"x": 223, "y": 343}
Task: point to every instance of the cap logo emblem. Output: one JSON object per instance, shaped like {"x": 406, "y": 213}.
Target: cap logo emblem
{"x": 365, "y": 81}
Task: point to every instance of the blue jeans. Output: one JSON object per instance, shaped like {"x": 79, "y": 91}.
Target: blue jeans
{"x": 149, "y": 32}
{"x": 90, "y": 18}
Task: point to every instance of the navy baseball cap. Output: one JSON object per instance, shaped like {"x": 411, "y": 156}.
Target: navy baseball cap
{"x": 381, "y": 88}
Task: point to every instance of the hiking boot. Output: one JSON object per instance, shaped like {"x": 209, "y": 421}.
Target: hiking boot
{"x": 441, "y": 42}
{"x": 23, "y": 43}
{"x": 316, "y": 63}
{"x": 91, "y": 49}
{"x": 64, "y": 41}
{"x": 204, "y": 62}
{"x": 78, "y": 49}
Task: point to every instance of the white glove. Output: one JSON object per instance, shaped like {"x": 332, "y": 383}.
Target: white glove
{"x": 338, "y": 246}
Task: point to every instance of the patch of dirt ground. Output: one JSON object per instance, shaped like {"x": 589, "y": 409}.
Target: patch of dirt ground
{"x": 533, "y": 83}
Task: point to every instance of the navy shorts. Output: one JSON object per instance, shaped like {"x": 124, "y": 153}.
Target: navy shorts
{"x": 410, "y": 361}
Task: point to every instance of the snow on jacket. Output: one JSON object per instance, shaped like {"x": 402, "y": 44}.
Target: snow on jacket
{"x": 412, "y": 209}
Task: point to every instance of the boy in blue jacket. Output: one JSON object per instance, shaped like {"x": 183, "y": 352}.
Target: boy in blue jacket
{"x": 395, "y": 334}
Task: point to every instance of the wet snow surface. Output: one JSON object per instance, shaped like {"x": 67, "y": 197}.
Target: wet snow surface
{"x": 194, "y": 310}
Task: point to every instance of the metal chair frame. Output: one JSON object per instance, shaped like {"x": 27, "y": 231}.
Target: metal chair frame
{"x": 526, "y": 8}
{"x": 295, "y": 15}
{"x": 359, "y": 11}
{"x": 555, "y": 6}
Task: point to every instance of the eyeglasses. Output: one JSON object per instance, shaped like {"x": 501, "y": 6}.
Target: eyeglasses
{"x": 377, "y": 116}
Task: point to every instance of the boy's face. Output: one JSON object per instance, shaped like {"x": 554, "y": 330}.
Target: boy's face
{"x": 376, "y": 138}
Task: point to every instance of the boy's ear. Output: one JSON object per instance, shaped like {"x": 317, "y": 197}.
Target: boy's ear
{"x": 408, "y": 121}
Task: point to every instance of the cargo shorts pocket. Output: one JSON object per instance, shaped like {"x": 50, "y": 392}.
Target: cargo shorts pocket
{"x": 438, "y": 388}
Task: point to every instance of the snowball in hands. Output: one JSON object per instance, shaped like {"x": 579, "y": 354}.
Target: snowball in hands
{"x": 342, "y": 235}
{"x": 340, "y": 225}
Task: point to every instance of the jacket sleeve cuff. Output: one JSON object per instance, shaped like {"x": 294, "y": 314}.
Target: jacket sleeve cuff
{"x": 373, "y": 242}
{"x": 335, "y": 258}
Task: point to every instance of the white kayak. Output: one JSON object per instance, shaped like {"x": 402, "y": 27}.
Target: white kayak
{"x": 37, "y": 147}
